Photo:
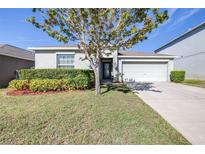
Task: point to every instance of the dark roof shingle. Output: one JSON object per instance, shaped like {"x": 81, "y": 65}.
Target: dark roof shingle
{"x": 12, "y": 51}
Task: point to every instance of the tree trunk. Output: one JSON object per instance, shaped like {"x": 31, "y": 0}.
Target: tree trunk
{"x": 97, "y": 81}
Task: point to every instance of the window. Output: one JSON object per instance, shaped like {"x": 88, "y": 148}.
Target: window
{"x": 65, "y": 60}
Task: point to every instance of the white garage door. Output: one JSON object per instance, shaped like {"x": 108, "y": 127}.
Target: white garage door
{"x": 144, "y": 71}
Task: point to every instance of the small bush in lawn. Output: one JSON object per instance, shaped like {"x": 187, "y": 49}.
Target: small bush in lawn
{"x": 19, "y": 84}
{"x": 177, "y": 76}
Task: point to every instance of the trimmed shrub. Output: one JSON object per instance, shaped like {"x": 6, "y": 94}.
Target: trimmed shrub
{"x": 87, "y": 76}
{"x": 46, "y": 85}
{"x": 54, "y": 73}
{"x": 177, "y": 76}
{"x": 19, "y": 84}
{"x": 43, "y": 80}
{"x": 81, "y": 82}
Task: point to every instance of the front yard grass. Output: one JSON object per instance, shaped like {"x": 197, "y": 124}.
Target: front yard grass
{"x": 194, "y": 82}
{"x": 116, "y": 117}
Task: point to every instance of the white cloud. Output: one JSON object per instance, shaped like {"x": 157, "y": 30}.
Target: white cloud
{"x": 155, "y": 32}
{"x": 184, "y": 17}
{"x": 171, "y": 13}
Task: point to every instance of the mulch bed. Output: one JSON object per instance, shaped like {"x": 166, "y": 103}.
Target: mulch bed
{"x": 28, "y": 92}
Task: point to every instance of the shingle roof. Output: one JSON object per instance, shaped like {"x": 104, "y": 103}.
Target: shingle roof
{"x": 1, "y": 45}
{"x": 139, "y": 53}
{"x": 12, "y": 51}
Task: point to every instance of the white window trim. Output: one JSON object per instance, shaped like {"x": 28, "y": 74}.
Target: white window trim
{"x": 65, "y": 53}
{"x": 66, "y": 65}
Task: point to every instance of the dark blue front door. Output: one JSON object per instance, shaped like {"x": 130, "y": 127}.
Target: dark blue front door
{"x": 106, "y": 70}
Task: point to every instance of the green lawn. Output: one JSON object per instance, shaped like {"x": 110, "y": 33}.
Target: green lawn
{"x": 197, "y": 83}
{"x": 116, "y": 117}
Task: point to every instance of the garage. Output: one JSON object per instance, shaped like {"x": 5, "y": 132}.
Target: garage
{"x": 145, "y": 71}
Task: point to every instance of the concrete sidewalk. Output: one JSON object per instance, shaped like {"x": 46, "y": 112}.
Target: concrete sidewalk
{"x": 182, "y": 106}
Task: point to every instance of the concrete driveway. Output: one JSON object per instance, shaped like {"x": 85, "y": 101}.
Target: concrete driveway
{"x": 182, "y": 106}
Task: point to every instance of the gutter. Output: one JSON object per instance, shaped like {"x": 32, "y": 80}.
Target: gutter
{"x": 18, "y": 57}
{"x": 155, "y": 57}
{"x": 53, "y": 48}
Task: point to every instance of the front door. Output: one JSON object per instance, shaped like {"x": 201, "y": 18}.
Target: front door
{"x": 106, "y": 70}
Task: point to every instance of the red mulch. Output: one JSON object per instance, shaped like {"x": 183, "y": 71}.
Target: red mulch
{"x": 27, "y": 92}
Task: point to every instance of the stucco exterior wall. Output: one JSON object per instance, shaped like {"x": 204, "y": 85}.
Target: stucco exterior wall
{"x": 45, "y": 59}
{"x": 193, "y": 65}
{"x": 48, "y": 59}
{"x": 191, "y": 52}
{"x": 191, "y": 44}
{"x": 9, "y": 65}
{"x": 80, "y": 61}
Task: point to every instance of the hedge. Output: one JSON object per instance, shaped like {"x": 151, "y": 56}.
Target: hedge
{"x": 44, "y": 85}
{"x": 177, "y": 76}
{"x": 29, "y": 74}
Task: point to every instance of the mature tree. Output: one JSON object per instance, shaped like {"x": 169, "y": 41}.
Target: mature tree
{"x": 98, "y": 30}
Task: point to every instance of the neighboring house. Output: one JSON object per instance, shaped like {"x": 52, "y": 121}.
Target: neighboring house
{"x": 119, "y": 66}
{"x": 12, "y": 59}
{"x": 190, "y": 49}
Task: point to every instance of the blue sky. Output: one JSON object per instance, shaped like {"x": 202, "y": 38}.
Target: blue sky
{"x": 16, "y": 31}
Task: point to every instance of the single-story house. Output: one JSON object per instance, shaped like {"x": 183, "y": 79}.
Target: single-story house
{"x": 190, "y": 49}
{"x": 119, "y": 66}
{"x": 12, "y": 59}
